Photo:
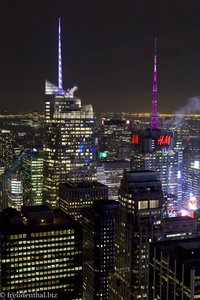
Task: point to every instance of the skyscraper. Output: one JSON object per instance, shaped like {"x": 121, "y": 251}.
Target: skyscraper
{"x": 41, "y": 251}
{"x": 32, "y": 172}
{"x": 75, "y": 196}
{"x": 98, "y": 248}
{"x": 138, "y": 223}
{"x": 114, "y": 139}
{"x": 111, "y": 173}
{"x": 178, "y": 150}
{"x": 191, "y": 180}
{"x": 6, "y": 148}
{"x": 153, "y": 148}
{"x": 69, "y": 148}
{"x": 15, "y": 190}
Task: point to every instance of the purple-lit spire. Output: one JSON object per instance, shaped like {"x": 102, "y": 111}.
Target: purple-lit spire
{"x": 154, "y": 116}
{"x": 59, "y": 56}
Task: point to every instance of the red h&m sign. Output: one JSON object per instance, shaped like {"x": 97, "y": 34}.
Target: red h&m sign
{"x": 164, "y": 140}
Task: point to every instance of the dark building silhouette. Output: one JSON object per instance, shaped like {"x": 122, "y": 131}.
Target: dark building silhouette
{"x": 138, "y": 223}
{"x": 98, "y": 248}
{"x": 174, "y": 270}
{"x": 182, "y": 227}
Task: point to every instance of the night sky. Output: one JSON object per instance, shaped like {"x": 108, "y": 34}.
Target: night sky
{"x": 107, "y": 49}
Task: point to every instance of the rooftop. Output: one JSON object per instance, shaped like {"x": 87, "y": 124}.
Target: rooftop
{"x": 178, "y": 219}
{"x": 84, "y": 184}
{"x": 101, "y": 207}
{"x": 186, "y": 252}
{"x": 141, "y": 176}
{"x": 36, "y": 208}
{"x": 11, "y": 221}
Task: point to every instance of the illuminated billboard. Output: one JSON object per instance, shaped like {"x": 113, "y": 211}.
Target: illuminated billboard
{"x": 135, "y": 139}
{"x": 192, "y": 203}
{"x": 164, "y": 140}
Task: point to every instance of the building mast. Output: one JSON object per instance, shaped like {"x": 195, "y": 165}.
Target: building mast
{"x": 59, "y": 56}
{"x": 154, "y": 116}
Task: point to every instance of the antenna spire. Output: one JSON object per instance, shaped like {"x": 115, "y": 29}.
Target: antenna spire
{"x": 154, "y": 116}
{"x": 59, "y": 56}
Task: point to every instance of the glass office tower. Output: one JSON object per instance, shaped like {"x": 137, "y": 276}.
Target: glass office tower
{"x": 69, "y": 152}
{"x": 33, "y": 178}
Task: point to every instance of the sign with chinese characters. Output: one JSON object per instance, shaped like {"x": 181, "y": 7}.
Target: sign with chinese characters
{"x": 135, "y": 139}
{"x": 164, "y": 140}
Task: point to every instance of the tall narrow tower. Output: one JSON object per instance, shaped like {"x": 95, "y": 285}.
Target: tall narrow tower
{"x": 59, "y": 56}
{"x": 154, "y": 116}
{"x": 69, "y": 146}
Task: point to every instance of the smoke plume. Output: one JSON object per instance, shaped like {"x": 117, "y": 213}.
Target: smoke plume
{"x": 192, "y": 106}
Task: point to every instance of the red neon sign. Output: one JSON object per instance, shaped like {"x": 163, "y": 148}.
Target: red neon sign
{"x": 135, "y": 139}
{"x": 164, "y": 140}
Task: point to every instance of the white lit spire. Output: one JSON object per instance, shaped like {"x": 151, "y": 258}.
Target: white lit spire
{"x": 59, "y": 56}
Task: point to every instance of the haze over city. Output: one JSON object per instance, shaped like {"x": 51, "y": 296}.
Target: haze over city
{"x": 107, "y": 50}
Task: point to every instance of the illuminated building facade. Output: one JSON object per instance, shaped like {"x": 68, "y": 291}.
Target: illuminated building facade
{"x": 6, "y": 148}
{"x": 197, "y": 216}
{"x": 32, "y": 170}
{"x": 170, "y": 205}
{"x": 177, "y": 177}
{"x": 191, "y": 180}
{"x": 153, "y": 150}
{"x": 74, "y": 196}
{"x": 69, "y": 147}
{"x": 114, "y": 139}
{"x": 41, "y": 251}
{"x": 2, "y": 180}
{"x": 98, "y": 248}
{"x": 138, "y": 223}
{"x": 111, "y": 173}
{"x": 174, "y": 270}
{"x": 15, "y": 191}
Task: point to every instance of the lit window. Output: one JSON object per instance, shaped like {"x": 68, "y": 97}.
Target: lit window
{"x": 143, "y": 204}
{"x": 153, "y": 203}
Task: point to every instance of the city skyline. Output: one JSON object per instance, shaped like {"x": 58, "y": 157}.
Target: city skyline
{"x": 107, "y": 51}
